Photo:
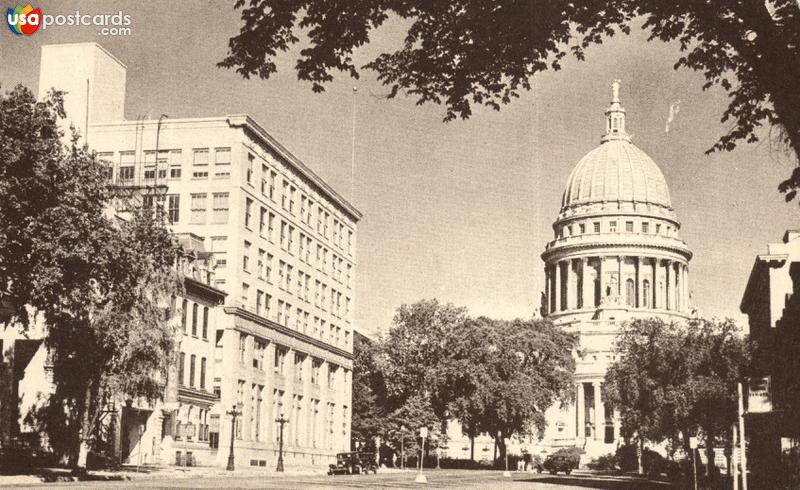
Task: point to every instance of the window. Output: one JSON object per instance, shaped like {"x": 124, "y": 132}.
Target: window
{"x": 191, "y": 370}
{"x": 316, "y": 365}
{"x": 200, "y": 157}
{"x": 242, "y": 346}
{"x": 612, "y": 226}
{"x": 262, "y": 221}
{"x": 245, "y": 294}
{"x": 629, "y": 226}
{"x": 249, "y": 171}
{"x": 658, "y": 228}
{"x": 569, "y": 230}
{"x": 285, "y": 195}
{"x": 174, "y": 208}
{"x": 582, "y": 228}
{"x": 259, "y": 355}
{"x": 272, "y": 178}
{"x": 194, "y": 319}
{"x": 264, "y": 180}
{"x": 260, "y": 264}
{"x": 268, "y": 272}
{"x": 331, "y": 376}
{"x": 270, "y": 227}
{"x": 298, "y": 366}
{"x": 205, "y": 322}
{"x": 246, "y": 257}
{"x": 198, "y": 207}
{"x": 280, "y": 359}
{"x": 248, "y": 212}
{"x": 222, "y": 163}
{"x": 645, "y": 293}
{"x": 181, "y": 363}
{"x": 221, "y": 207}
{"x": 289, "y": 244}
{"x": 280, "y": 310}
{"x": 630, "y": 293}
{"x": 218, "y": 248}
{"x": 175, "y": 173}
{"x": 283, "y": 235}
{"x": 184, "y": 313}
{"x": 200, "y": 174}
{"x": 259, "y": 301}
{"x": 645, "y": 227}
{"x": 292, "y": 191}
{"x": 267, "y": 302}
{"x": 203, "y": 373}
{"x": 596, "y": 227}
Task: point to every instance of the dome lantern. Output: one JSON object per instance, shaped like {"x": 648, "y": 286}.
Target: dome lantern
{"x": 615, "y": 118}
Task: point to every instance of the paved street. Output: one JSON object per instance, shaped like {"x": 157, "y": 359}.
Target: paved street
{"x": 436, "y": 479}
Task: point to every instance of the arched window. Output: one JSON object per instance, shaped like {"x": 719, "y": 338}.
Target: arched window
{"x": 630, "y": 293}
{"x": 646, "y": 293}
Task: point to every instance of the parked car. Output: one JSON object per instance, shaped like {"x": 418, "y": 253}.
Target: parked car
{"x": 556, "y": 462}
{"x": 353, "y": 464}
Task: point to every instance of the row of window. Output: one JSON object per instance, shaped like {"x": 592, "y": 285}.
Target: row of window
{"x": 307, "y": 210}
{"x": 256, "y": 350}
{"x": 196, "y": 318}
{"x": 302, "y": 247}
{"x": 304, "y": 414}
{"x": 182, "y": 381}
{"x": 168, "y": 164}
{"x": 612, "y": 227}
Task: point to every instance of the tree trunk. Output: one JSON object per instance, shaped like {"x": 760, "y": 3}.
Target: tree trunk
{"x": 710, "y": 466}
{"x": 501, "y": 446}
{"x": 494, "y": 455}
{"x": 472, "y": 448}
{"x": 639, "y": 455}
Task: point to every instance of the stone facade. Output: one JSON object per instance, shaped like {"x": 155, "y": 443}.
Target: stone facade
{"x": 284, "y": 245}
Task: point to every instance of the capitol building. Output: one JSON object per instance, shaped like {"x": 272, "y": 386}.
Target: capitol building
{"x": 616, "y": 255}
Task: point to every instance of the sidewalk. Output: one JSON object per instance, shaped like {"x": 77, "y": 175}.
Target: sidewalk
{"x": 36, "y": 476}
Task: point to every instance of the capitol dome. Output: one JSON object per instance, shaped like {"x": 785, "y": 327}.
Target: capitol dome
{"x": 617, "y": 170}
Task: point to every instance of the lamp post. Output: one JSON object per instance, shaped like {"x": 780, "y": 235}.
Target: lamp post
{"x": 281, "y": 421}
{"x": 402, "y": 447}
{"x": 233, "y": 412}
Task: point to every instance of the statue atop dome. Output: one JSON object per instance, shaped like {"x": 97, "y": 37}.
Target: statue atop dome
{"x": 615, "y": 117}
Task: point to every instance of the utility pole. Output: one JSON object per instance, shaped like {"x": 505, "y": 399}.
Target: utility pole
{"x": 742, "y": 440}
{"x": 233, "y": 412}
{"x": 280, "y": 421}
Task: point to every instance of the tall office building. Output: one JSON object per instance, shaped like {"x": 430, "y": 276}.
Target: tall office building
{"x": 284, "y": 243}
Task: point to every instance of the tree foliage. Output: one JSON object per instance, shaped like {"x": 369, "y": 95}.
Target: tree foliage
{"x": 672, "y": 381}
{"x": 104, "y": 286}
{"x": 467, "y": 52}
{"x": 437, "y": 364}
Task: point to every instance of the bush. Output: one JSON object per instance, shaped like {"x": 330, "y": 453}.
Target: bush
{"x": 461, "y": 464}
{"x": 603, "y": 463}
{"x": 653, "y": 463}
{"x": 626, "y": 458}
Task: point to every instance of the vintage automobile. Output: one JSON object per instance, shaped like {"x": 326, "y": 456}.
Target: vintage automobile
{"x": 556, "y": 462}
{"x": 353, "y": 464}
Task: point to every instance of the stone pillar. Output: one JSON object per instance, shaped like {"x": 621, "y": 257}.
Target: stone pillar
{"x": 547, "y": 292}
{"x": 557, "y": 289}
{"x": 587, "y": 285}
{"x": 571, "y": 286}
{"x": 656, "y": 301}
{"x": 599, "y": 413}
{"x": 579, "y": 409}
{"x": 686, "y": 290}
{"x": 620, "y": 261}
{"x": 600, "y": 272}
{"x": 639, "y": 282}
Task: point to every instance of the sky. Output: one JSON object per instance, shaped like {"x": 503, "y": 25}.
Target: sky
{"x": 457, "y": 211}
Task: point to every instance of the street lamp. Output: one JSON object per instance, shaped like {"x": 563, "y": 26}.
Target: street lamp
{"x": 234, "y": 412}
{"x": 281, "y": 421}
{"x": 402, "y": 447}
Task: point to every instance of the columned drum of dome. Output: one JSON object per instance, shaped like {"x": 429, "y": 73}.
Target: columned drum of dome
{"x": 616, "y": 255}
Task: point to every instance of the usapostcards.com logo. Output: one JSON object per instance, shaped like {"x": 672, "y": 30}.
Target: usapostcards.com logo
{"x": 24, "y": 21}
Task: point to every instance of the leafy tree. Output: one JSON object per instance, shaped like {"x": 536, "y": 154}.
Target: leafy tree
{"x": 673, "y": 381}
{"x": 414, "y": 355}
{"x": 521, "y": 368}
{"x": 104, "y": 286}
{"x": 369, "y": 392}
{"x": 484, "y": 52}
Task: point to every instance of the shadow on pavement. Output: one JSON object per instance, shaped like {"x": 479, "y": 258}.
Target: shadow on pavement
{"x": 606, "y": 483}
